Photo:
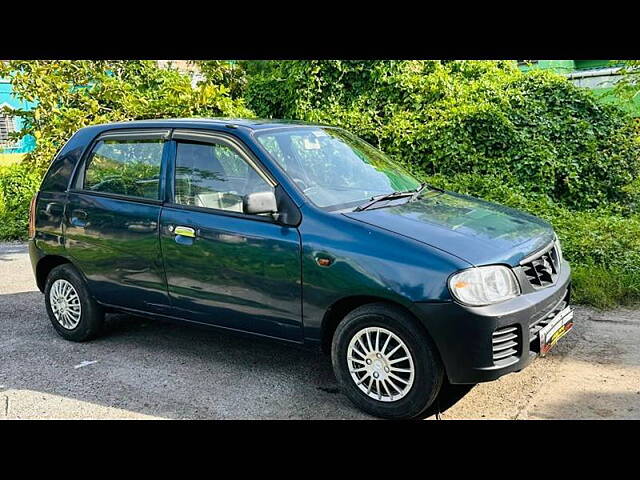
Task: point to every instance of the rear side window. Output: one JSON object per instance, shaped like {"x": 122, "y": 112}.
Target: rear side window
{"x": 125, "y": 167}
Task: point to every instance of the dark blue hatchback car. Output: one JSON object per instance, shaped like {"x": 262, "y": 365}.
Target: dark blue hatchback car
{"x": 303, "y": 233}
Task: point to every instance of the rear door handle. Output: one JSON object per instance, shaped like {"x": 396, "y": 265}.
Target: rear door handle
{"x": 53, "y": 209}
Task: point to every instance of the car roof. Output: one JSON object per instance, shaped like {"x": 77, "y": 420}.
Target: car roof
{"x": 249, "y": 123}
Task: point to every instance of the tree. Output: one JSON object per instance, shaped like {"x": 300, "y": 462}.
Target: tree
{"x": 228, "y": 73}
{"x": 628, "y": 88}
{"x": 69, "y": 95}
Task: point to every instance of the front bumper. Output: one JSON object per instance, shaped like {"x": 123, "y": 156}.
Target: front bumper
{"x": 466, "y": 336}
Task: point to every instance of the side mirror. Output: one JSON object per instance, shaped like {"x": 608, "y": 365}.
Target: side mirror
{"x": 259, "y": 202}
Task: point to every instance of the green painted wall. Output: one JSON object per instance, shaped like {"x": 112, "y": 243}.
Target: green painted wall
{"x": 559, "y": 66}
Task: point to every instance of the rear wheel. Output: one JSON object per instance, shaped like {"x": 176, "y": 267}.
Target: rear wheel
{"x": 73, "y": 312}
{"x": 386, "y": 364}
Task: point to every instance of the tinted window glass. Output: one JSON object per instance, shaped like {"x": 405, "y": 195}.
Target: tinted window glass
{"x": 57, "y": 178}
{"x": 125, "y": 167}
{"x": 214, "y": 176}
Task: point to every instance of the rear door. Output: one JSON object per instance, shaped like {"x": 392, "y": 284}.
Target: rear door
{"x": 112, "y": 219}
{"x": 225, "y": 267}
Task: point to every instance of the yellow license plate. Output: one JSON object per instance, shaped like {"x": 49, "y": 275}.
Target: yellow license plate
{"x": 557, "y": 328}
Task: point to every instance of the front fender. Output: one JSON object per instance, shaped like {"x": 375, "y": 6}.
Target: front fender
{"x": 366, "y": 261}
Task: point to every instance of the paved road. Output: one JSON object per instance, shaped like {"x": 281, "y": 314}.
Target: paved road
{"x": 153, "y": 369}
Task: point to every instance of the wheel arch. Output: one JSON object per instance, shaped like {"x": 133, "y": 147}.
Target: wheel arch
{"x": 44, "y": 267}
{"x": 339, "y": 309}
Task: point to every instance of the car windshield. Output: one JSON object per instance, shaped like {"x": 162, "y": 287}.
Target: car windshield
{"x": 334, "y": 168}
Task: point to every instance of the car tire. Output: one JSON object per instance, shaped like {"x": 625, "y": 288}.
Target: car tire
{"x": 386, "y": 396}
{"x": 75, "y": 315}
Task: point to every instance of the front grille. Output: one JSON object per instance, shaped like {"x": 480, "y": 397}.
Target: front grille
{"x": 506, "y": 343}
{"x": 542, "y": 271}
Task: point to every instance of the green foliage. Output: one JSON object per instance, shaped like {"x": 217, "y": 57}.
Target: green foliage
{"x": 628, "y": 88}
{"x": 73, "y": 94}
{"x": 18, "y": 184}
{"x": 231, "y": 75}
{"x": 487, "y": 118}
{"x": 605, "y": 288}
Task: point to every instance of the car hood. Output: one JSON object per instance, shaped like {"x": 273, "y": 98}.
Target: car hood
{"x": 474, "y": 230}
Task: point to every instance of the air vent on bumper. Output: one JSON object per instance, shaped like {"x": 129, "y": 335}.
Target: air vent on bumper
{"x": 506, "y": 343}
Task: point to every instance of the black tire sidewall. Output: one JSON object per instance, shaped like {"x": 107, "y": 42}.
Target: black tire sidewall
{"x": 428, "y": 368}
{"x": 91, "y": 315}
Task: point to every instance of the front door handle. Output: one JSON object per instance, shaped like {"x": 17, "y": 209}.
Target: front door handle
{"x": 184, "y": 231}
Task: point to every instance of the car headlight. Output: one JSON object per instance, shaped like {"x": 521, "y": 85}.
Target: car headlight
{"x": 484, "y": 285}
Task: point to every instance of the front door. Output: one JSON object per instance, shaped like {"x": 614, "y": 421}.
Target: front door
{"x": 225, "y": 267}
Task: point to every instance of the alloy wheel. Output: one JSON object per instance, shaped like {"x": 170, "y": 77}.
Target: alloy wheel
{"x": 380, "y": 364}
{"x": 65, "y": 304}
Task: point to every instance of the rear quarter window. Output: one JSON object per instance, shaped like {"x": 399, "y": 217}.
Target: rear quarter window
{"x": 57, "y": 178}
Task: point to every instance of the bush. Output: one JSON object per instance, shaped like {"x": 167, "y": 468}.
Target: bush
{"x": 18, "y": 184}
{"x": 487, "y": 118}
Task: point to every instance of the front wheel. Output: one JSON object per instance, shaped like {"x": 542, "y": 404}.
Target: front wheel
{"x": 384, "y": 361}
{"x": 75, "y": 315}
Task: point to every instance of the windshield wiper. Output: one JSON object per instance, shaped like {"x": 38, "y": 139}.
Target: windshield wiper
{"x": 414, "y": 194}
{"x": 381, "y": 198}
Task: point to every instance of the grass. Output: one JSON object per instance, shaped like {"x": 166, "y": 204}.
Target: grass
{"x": 605, "y": 288}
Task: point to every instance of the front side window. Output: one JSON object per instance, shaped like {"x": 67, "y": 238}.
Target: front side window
{"x": 125, "y": 167}
{"x": 333, "y": 167}
{"x": 214, "y": 175}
